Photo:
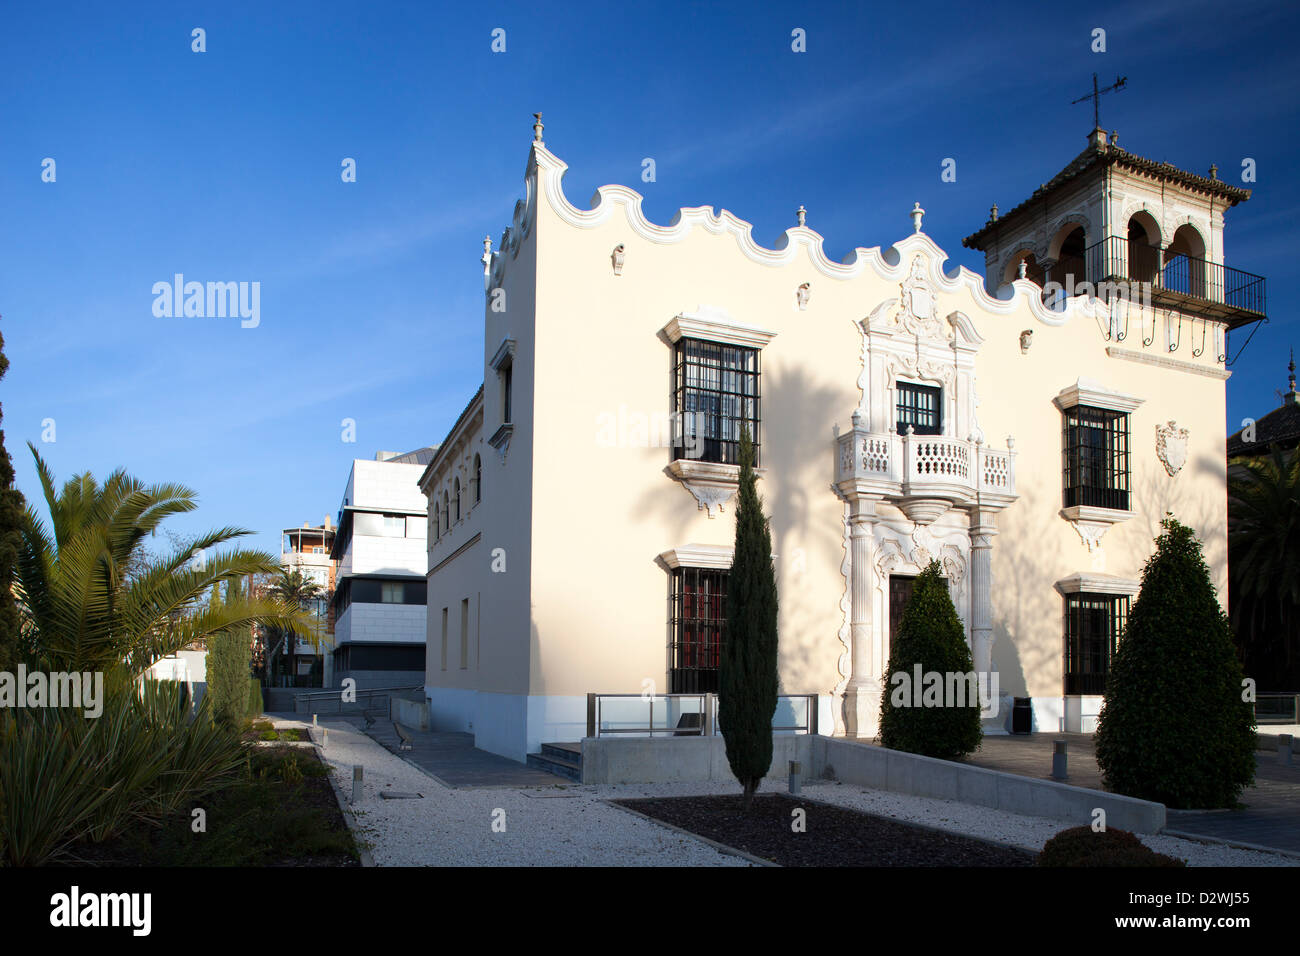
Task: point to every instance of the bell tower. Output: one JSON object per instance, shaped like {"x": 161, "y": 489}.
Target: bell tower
{"x": 1115, "y": 224}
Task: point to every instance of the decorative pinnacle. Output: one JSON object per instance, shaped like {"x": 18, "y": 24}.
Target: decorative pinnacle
{"x": 916, "y": 214}
{"x": 1114, "y": 138}
{"x": 537, "y": 128}
{"x": 993, "y": 213}
{"x": 1214, "y": 171}
{"x": 487, "y": 249}
{"x": 1024, "y": 267}
{"x": 801, "y": 214}
{"x": 1291, "y": 368}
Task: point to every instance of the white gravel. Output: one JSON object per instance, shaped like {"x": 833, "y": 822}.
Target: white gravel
{"x": 572, "y": 826}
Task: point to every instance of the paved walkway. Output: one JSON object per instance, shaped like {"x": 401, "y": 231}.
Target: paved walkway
{"x": 1271, "y": 816}
{"x": 454, "y": 760}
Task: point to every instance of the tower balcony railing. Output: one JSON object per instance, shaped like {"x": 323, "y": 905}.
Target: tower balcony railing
{"x": 920, "y": 471}
{"x": 1116, "y": 266}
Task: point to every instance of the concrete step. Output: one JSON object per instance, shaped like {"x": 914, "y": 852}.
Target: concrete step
{"x": 563, "y": 751}
{"x": 557, "y": 760}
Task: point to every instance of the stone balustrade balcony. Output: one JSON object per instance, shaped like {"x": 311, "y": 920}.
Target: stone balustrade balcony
{"x": 925, "y": 475}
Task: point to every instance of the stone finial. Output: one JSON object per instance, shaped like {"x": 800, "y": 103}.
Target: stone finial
{"x": 537, "y": 128}
{"x": 1114, "y": 138}
{"x": 993, "y": 213}
{"x": 1291, "y": 392}
{"x": 916, "y": 214}
{"x": 857, "y": 418}
{"x": 1022, "y": 269}
{"x": 801, "y": 214}
{"x": 1214, "y": 171}
{"x": 487, "y": 249}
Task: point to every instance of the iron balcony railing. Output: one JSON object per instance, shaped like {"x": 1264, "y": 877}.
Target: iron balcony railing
{"x": 1177, "y": 280}
{"x": 686, "y": 715}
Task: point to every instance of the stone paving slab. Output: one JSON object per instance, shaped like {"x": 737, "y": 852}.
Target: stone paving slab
{"x": 453, "y": 760}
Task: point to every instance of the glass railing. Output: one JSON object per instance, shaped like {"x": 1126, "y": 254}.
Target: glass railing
{"x": 686, "y": 715}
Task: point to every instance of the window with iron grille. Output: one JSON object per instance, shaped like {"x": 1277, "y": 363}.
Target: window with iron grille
{"x": 698, "y": 615}
{"x": 918, "y": 406}
{"x": 715, "y": 392}
{"x": 1094, "y": 624}
{"x": 1096, "y": 457}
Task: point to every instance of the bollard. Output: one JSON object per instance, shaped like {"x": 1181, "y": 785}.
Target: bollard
{"x": 1284, "y": 749}
{"x": 325, "y": 738}
{"x": 1059, "y": 768}
{"x": 796, "y": 773}
{"x": 356, "y": 783}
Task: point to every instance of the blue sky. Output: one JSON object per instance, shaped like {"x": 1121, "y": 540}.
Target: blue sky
{"x": 225, "y": 165}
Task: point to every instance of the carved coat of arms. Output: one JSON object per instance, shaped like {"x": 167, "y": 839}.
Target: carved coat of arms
{"x": 1171, "y": 447}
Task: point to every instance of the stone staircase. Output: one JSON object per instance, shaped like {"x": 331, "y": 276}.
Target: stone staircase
{"x": 564, "y": 759}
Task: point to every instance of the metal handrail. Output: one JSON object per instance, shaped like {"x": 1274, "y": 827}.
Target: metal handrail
{"x": 1116, "y": 259}
{"x": 708, "y": 726}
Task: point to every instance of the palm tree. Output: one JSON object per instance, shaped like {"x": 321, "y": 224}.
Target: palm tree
{"x": 92, "y": 598}
{"x": 297, "y": 590}
{"x": 1264, "y": 564}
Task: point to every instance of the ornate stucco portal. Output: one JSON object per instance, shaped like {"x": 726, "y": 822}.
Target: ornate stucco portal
{"x": 912, "y": 498}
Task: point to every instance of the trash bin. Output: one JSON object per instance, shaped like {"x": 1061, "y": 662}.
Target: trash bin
{"x": 1022, "y": 716}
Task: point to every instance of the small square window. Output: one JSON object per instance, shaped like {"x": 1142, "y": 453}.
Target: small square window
{"x": 393, "y": 592}
{"x": 919, "y": 407}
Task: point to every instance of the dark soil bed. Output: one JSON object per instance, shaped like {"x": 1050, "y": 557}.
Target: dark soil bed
{"x": 280, "y": 812}
{"x": 834, "y": 836}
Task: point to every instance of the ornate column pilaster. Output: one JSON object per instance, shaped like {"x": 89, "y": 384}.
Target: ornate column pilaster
{"x": 862, "y": 693}
{"x": 982, "y": 531}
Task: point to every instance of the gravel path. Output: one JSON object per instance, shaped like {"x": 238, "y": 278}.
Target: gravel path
{"x": 572, "y": 826}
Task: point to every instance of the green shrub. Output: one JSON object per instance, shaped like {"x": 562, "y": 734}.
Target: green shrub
{"x": 227, "y": 670}
{"x": 1174, "y": 727}
{"x": 65, "y": 777}
{"x": 932, "y": 636}
{"x": 255, "y": 704}
{"x": 1082, "y": 846}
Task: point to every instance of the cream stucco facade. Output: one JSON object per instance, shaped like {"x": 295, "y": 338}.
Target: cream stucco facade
{"x": 550, "y": 578}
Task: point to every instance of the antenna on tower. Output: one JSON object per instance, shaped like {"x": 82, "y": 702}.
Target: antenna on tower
{"x": 1095, "y": 96}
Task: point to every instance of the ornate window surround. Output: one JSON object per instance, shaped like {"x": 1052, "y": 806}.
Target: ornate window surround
{"x": 712, "y": 484}
{"x": 1090, "y": 522}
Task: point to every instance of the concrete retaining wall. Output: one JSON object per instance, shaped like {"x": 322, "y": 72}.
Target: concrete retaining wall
{"x": 682, "y": 759}
{"x": 677, "y": 759}
{"x": 409, "y": 713}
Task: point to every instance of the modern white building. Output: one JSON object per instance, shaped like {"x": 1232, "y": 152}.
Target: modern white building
{"x": 379, "y": 594}
{"x": 1029, "y": 439}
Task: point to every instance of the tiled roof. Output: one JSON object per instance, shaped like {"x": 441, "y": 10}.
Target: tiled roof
{"x": 1099, "y": 156}
{"x": 1280, "y": 426}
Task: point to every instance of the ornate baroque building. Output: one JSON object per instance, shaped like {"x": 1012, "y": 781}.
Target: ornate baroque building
{"x": 1027, "y": 436}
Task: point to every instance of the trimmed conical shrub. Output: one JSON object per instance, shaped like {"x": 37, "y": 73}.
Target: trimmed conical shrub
{"x": 941, "y": 716}
{"x": 1174, "y": 726}
{"x": 747, "y": 681}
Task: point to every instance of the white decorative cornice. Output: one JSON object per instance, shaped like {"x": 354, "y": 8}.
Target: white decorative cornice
{"x": 544, "y": 178}
{"x": 1160, "y": 361}
{"x": 1090, "y": 582}
{"x": 716, "y": 324}
{"x": 713, "y": 484}
{"x": 504, "y": 354}
{"x": 500, "y": 440}
{"x": 1091, "y": 523}
{"x": 699, "y": 556}
{"x": 1085, "y": 391}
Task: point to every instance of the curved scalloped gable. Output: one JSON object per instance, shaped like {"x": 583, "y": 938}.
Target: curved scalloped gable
{"x": 545, "y": 176}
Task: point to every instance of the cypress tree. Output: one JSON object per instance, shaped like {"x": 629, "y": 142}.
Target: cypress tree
{"x": 228, "y": 670}
{"x": 1175, "y": 726}
{"x": 747, "y": 673}
{"x": 11, "y": 518}
{"x": 931, "y": 636}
